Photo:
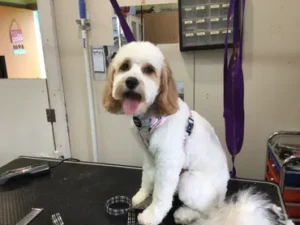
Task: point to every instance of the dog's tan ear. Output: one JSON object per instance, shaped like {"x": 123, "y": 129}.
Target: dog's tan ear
{"x": 110, "y": 104}
{"x": 166, "y": 102}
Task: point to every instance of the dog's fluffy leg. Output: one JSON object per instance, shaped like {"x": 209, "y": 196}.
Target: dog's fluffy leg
{"x": 147, "y": 181}
{"x": 198, "y": 191}
{"x": 166, "y": 179}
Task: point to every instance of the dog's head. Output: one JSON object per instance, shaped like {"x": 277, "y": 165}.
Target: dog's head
{"x": 138, "y": 79}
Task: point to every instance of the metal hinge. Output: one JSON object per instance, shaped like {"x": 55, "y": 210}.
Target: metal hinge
{"x": 51, "y": 115}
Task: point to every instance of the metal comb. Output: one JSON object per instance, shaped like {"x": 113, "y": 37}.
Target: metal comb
{"x": 56, "y": 219}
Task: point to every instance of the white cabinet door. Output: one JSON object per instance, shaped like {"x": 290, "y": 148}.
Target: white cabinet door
{"x": 24, "y": 129}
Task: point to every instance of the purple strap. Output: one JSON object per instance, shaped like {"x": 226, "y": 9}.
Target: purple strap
{"x": 234, "y": 84}
{"x": 126, "y": 29}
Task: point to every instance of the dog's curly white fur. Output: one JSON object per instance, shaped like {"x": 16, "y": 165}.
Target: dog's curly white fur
{"x": 152, "y": 91}
{"x": 246, "y": 208}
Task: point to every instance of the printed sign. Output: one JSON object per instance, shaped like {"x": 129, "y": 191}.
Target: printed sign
{"x": 201, "y": 34}
{"x": 214, "y": 32}
{"x": 214, "y": 6}
{"x": 98, "y": 58}
{"x": 200, "y": 7}
{"x": 115, "y": 27}
{"x": 200, "y": 21}
{"x": 189, "y": 35}
{"x": 19, "y": 49}
{"x": 15, "y": 32}
{"x": 188, "y": 22}
{"x": 214, "y": 19}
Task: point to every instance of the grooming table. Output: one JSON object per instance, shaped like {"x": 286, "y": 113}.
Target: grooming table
{"x": 79, "y": 191}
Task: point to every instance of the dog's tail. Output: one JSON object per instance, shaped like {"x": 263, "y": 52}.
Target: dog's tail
{"x": 247, "y": 208}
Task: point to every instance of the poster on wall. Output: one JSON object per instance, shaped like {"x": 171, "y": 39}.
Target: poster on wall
{"x": 16, "y": 38}
{"x": 108, "y": 54}
{"x": 98, "y": 58}
{"x": 19, "y": 49}
{"x": 118, "y": 35}
{"x": 15, "y": 32}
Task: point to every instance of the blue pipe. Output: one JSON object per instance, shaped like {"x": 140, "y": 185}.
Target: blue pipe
{"x": 82, "y": 9}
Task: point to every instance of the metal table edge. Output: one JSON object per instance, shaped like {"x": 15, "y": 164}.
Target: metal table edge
{"x": 81, "y": 162}
{"x": 265, "y": 182}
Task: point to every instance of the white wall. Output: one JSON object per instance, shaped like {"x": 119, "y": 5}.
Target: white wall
{"x": 271, "y": 70}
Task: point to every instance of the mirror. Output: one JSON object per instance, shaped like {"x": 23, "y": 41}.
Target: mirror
{"x": 155, "y": 23}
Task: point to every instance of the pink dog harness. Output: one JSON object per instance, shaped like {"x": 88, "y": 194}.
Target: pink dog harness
{"x": 147, "y": 125}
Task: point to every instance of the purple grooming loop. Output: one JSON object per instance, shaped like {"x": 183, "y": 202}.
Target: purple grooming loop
{"x": 234, "y": 84}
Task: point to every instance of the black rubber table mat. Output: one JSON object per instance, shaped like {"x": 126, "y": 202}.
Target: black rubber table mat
{"x": 79, "y": 192}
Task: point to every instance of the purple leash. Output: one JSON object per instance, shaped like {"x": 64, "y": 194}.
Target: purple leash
{"x": 126, "y": 29}
{"x": 234, "y": 85}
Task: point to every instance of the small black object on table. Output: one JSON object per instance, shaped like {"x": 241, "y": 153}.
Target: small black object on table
{"x": 79, "y": 191}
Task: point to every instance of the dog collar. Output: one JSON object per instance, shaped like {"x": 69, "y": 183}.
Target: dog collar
{"x": 146, "y": 126}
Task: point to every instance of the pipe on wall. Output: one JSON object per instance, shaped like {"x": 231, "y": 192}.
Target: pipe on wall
{"x": 84, "y": 25}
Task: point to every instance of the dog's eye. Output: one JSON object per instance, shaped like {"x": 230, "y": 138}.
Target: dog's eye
{"x": 124, "y": 67}
{"x": 148, "y": 70}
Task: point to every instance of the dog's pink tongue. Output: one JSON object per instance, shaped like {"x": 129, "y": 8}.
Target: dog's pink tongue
{"x": 130, "y": 106}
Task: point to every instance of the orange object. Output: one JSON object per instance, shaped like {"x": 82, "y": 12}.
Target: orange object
{"x": 291, "y": 195}
{"x": 293, "y": 210}
{"x": 270, "y": 178}
{"x": 273, "y": 175}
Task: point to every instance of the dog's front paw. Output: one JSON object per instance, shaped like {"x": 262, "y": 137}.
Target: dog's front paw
{"x": 139, "y": 198}
{"x": 149, "y": 217}
{"x": 185, "y": 215}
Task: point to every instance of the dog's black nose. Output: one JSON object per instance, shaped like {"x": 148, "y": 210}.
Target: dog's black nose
{"x": 131, "y": 83}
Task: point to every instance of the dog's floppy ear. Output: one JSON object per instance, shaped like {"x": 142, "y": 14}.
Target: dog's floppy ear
{"x": 110, "y": 104}
{"x": 166, "y": 102}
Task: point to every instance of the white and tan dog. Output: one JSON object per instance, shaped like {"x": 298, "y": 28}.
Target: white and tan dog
{"x": 140, "y": 83}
